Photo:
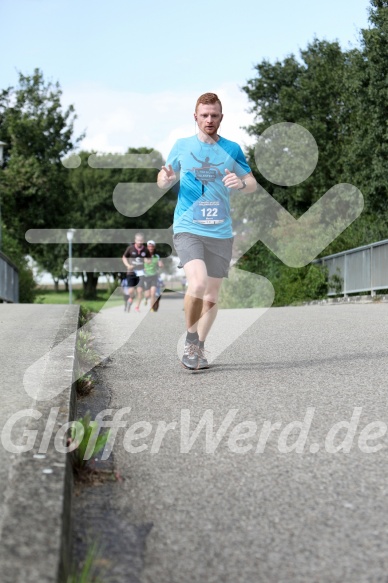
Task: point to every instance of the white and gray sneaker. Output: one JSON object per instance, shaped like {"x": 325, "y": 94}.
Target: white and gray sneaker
{"x": 202, "y": 360}
{"x": 190, "y": 355}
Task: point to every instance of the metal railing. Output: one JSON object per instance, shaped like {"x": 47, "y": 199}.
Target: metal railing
{"x": 9, "y": 280}
{"x": 360, "y": 269}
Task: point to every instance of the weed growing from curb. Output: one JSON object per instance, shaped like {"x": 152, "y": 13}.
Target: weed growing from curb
{"x": 90, "y": 444}
{"x": 85, "y": 385}
{"x": 85, "y": 315}
{"x": 85, "y": 353}
{"x": 88, "y": 572}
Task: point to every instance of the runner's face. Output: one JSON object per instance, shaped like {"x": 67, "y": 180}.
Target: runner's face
{"x": 139, "y": 241}
{"x": 151, "y": 248}
{"x": 209, "y": 118}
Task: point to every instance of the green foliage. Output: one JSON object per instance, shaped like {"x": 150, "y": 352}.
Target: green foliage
{"x": 369, "y": 148}
{"x": 90, "y": 444}
{"x": 294, "y": 286}
{"x": 92, "y": 207}
{"x": 34, "y": 188}
{"x": 27, "y": 285}
{"x": 84, "y": 315}
{"x": 291, "y": 285}
{"x": 62, "y": 297}
{"x": 310, "y": 93}
{"x": 341, "y": 98}
{"x": 335, "y": 283}
{"x": 88, "y": 573}
{"x": 242, "y": 290}
{"x": 85, "y": 352}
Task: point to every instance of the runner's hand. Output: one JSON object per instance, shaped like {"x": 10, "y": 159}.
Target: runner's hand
{"x": 231, "y": 180}
{"x": 168, "y": 175}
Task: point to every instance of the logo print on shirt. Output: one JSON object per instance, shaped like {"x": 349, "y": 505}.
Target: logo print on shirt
{"x": 208, "y": 171}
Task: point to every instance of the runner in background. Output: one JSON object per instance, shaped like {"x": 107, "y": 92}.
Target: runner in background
{"x": 151, "y": 266}
{"x": 158, "y": 294}
{"x": 136, "y": 253}
{"x": 125, "y": 290}
{"x": 128, "y": 285}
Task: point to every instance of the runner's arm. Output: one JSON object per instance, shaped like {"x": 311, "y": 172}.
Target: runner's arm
{"x": 126, "y": 263}
{"x": 231, "y": 180}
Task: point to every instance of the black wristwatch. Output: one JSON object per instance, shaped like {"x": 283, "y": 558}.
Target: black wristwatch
{"x": 243, "y": 186}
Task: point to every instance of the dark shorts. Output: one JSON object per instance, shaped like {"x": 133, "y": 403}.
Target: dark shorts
{"x": 133, "y": 280}
{"x": 216, "y": 253}
{"x": 150, "y": 281}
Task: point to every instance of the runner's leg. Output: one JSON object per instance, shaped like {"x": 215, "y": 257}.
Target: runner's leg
{"x": 196, "y": 274}
{"x": 131, "y": 292}
{"x": 153, "y": 296}
{"x": 139, "y": 297}
{"x": 209, "y": 307}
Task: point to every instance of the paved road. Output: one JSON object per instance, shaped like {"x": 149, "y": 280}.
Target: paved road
{"x": 273, "y": 516}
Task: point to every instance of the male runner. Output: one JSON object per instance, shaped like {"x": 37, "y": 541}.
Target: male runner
{"x": 202, "y": 226}
{"x": 137, "y": 253}
{"x": 151, "y": 273}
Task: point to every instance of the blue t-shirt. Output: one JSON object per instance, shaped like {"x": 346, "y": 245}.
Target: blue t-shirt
{"x": 203, "y": 206}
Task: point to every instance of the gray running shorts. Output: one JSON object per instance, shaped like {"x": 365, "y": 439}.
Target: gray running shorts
{"x": 216, "y": 253}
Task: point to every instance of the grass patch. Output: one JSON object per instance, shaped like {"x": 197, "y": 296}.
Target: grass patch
{"x": 47, "y": 296}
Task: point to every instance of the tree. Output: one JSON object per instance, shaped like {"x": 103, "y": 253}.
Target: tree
{"x": 91, "y": 205}
{"x": 27, "y": 285}
{"x": 368, "y": 154}
{"x": 35, "y": 187}
{"x": 310, "y": 92}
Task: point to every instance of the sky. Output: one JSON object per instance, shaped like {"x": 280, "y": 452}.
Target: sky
{"x": 134, "y": 70}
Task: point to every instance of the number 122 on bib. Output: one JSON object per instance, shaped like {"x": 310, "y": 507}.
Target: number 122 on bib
{"x": 209, "y": 212}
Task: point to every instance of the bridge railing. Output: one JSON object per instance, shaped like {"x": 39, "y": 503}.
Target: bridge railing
{"x": 360, "y": 269}
{"x": 9, "y": 280}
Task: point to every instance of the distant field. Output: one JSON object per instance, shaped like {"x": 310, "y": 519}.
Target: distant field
{"x": 48, "y": 295}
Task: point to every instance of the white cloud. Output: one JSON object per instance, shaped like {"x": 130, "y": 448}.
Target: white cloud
{"x": 116, "y": 120}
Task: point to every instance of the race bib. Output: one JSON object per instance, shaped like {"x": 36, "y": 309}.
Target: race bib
{"x": 209, "y": 212}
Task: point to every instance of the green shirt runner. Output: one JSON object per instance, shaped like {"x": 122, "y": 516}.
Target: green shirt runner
{"x": 152, "y": 267}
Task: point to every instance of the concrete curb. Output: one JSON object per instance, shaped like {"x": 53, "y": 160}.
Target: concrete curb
{"x": 36, "y": 539}
{"x": 348, "y": 300}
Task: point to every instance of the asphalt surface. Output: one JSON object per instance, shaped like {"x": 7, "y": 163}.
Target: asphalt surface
{"x": 263, "y": 514}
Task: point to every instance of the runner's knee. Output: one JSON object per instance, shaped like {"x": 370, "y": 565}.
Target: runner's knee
{"x": 211, "y": 297}
{"x": 197, "y": 288}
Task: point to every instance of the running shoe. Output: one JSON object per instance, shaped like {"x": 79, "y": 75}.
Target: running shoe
{"x": 137, "y": 309}
{"x": 202, "y": 360}
{"x": 190, "y": 356}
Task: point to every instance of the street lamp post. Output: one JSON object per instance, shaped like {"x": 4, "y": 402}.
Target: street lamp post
{"x": 70, "y": 235}
{"x": 2, "y": 144}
